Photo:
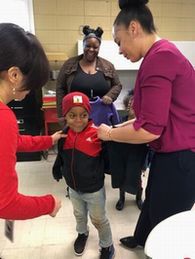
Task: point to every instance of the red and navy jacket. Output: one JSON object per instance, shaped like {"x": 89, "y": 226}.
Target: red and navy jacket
{"x": 80, "y": 161}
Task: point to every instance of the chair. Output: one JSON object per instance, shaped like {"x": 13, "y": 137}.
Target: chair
{"x": 173, "y": 238}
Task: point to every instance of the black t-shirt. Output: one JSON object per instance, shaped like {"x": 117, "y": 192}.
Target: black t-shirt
{"x": 90, "y": 84}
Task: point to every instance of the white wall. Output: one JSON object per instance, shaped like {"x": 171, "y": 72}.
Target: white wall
{"x": 109, "y": 50}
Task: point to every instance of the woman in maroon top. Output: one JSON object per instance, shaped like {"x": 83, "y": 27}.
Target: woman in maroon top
{"x": 165, "y": 117}
{"x": 23, "y": 67}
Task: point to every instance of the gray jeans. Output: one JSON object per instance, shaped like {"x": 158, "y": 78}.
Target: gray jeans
{"x": 94, "y": 204}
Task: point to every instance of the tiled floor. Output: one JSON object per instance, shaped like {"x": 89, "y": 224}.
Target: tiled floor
{"x": 52, "y": 238}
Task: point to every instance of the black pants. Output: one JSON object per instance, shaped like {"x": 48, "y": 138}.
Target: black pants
{"x": 170, "y": 190}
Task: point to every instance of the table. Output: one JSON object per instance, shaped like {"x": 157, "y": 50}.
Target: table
{"x": 173, "y": 238}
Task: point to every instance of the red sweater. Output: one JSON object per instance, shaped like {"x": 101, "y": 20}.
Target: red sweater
{"x": 14, "y": 205}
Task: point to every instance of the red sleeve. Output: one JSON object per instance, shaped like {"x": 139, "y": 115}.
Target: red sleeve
{"x": 28, "y": 207}
{"x": 12, "y": 204}
{"x": 27, "y": 143}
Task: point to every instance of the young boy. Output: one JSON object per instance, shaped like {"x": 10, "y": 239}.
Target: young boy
{"x": 81, "y": 164}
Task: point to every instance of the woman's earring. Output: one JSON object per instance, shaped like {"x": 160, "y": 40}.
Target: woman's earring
{"x": 14, "y": 90}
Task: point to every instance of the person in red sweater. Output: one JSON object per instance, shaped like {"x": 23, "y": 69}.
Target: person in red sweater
{"x": 23, "y": 67}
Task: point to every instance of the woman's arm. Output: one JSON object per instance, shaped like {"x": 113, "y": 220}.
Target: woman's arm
{"x": 27, "y": 143}
{"x": 124, "y": 123}
{"x": 126, "y": 134}
{"x": 61, "y": 89}
{"x": 14, "y": 205}
{"x": 116, "y": 85}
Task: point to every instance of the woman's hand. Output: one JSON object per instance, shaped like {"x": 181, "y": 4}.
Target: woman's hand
{"x": 58, "y": 135}
{"x": 56, "y": 207}
{"x": 103, "y": 132}
{"x": 106, "y": 99}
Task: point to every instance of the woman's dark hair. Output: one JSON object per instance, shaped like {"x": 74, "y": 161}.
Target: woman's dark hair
{"x": 89, "y": 32}
{"x": 23, "y": 50}
{"x": 135, "y": 10}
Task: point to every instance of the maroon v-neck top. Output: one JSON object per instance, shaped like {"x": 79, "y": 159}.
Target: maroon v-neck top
{"x": 164, "y": 99}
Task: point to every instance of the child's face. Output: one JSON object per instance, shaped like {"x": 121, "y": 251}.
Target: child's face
{"x": 77, "y": 118}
